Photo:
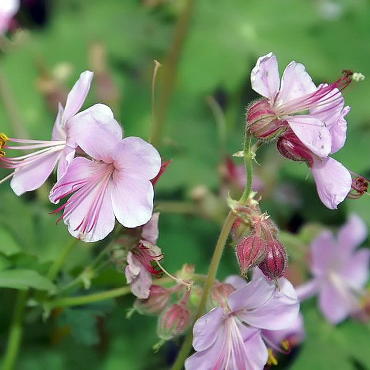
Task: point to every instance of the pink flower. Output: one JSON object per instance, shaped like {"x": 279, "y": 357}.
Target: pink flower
{"x": 8, "y": 8}
{"x": 229, "y": 337}
{"x": 339, "y": 271}
{"x": 114, "y": 183}
{"x": 32, "y": 170}
{"x": 310, "y": 121}
{"x": 139, "y": 267}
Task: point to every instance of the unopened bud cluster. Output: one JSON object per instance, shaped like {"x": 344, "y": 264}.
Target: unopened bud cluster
{"x": 260, "y": 245}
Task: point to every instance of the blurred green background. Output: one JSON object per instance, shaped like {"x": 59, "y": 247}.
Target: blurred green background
{"x": 217, "y": 43}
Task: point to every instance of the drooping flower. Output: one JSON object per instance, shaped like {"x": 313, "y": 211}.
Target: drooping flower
{"x": 229, "y": 337}
{"x": 339, "y": 271}
{"x": 8, "y": 8}
{"x": 115, "y": 183}
{"x": 139, "y": 267}
{"x": 32, "y": 170}
{"x": 309, "y": 121}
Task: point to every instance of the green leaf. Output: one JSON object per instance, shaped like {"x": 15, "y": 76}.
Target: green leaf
{"x": 8, "y": 245}
{"x": 24, "y": 279}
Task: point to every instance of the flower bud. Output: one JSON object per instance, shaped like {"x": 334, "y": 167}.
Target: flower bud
{"x": 250, "y": 252}
{"x": 292, "y": 148}
{"x": 262, "y": 122}
{"x": 155, "y": 303}
{"x": 275, "y": 262}
{"x": 239, "y": 230}
{"x": 174, "y": 321}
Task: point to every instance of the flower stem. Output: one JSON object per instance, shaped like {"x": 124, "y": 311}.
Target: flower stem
{"x": 217, "y": 254}
{"x": 59, "y": 262}
{"x": 216, "y": 258}
{"x": 169, "y": 73}
{"x": 15, "y": 332}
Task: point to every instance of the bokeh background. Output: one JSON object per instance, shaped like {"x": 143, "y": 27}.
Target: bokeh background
{"x": 208, "y": 48}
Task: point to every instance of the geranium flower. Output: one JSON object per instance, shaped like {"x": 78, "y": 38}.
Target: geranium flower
{"x": 339, "y": 270}
{"x": 229, "y": 337}
{"x": 32, "y": 170}
{"x": 114, "y": 183}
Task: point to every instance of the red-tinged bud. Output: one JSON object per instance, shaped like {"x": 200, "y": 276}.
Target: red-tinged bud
{"x": 276, "y": 260}
{"x": 162, "y": 170}
{"x": 239, "y": 230}
{"x": 219, "y": 294}
{"x": 174, "y": 321}
{"x": 262, "y": 122}
{"x": 292, "y": 148}
{"x": 155, "y": 303}
{"x": 250, "y": 252}
{"x": 359, "y": 187}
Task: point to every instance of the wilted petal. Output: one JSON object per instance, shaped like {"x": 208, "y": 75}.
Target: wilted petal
{"x": 138, "y": 158}
{"x": 132, "y": 199}
{"x": 333, "y": 181}
{"x": 352, "y": 234}
{"x": 206, "y": 329}
{"x": 150, "y": 230}
{"x": 295, "y": 83}
{"x": 77, "y": 95}
{"x": 33, "y": 175}
{"x": 312, "y": 133}
{"x": 138, "y": 277}
{"x": 265, "y": 76}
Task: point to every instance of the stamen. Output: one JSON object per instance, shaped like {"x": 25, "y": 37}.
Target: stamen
{"x": 272, "y": 360}
{"x": 3, "y": 140}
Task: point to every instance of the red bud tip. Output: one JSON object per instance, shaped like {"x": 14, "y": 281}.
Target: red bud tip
{"x": 250, "y": 252}
{"x": 276, "y": 260}
{"x": 174, "y": 321}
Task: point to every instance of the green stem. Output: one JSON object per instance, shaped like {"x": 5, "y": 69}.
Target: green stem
{"x": 215, "y": 261}
{"x": 217, "y": 254}
{"x": 15, "y": 332}
{"x": 169, "y": 73}
{"x": 59, "y": 262}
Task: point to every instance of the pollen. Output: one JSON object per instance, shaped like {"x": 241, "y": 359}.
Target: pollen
{"x": 272, "y": 360}
{"x": 285, "y": 345}
{"x": 357, "y": 77}
{"x": 2, "y": 153}
{"x": 3, "y": 140}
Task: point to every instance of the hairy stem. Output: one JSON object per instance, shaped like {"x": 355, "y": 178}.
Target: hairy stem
{"x": 15, "y": 331}
{"x": 169, "y": 73}
{"x": 217, "y": 254}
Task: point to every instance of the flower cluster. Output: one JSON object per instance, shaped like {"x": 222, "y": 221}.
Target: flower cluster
{"x": 308, "y": 121}
{"x": 104, "y": 175}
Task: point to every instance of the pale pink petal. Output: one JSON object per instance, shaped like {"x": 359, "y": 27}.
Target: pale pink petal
{"x": 96, "y": 131}
{"x": 138, "y": 277}
{"x": 59, "y": 132}
{"x": 294, "y": 333}
{"x": 324, "y": 250}
{"x": 338, "y": 131}
{"x": 333, "y": 181}
{"x": 79, "y": 169}
{"x": 132, "y": 199}
{"x": 32, "y": 176}
{"x": 307, "y": 290}
{"x": 283, "y": 304}
{"x": 137, "y": 157}
{"x": 206, "y": 328}
{"x": 312, "y": 133}
{"x": 355, "y": 270}
{"x": 77, "y": 95}
{"x": 65, "y": 160}
{"x": 352, "y": 234}
{"x": 252, "y": 296}
{"x": 150, "y": 230}
{"x": 295, "y": 83}
{"x": 333, "y": 304}
{"x": 265, "y": 76}
{"x": 8, "y": 8}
